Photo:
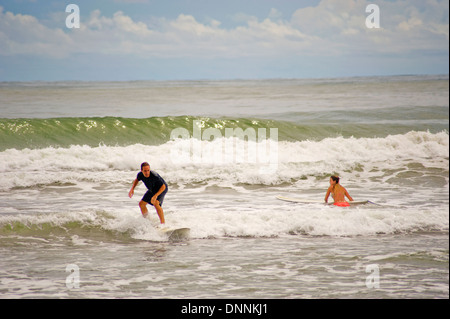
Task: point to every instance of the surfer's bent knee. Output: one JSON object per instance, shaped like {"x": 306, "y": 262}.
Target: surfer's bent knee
{"x": 142, "y": 203}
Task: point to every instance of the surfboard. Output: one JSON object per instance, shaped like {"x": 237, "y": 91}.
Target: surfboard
{"x": 175, "y": 233}
{"x": 312, "y": 201}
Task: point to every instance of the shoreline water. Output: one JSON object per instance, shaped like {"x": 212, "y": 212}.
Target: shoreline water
{"x": 69, "y": 152}
{"x": 298, "y": 267}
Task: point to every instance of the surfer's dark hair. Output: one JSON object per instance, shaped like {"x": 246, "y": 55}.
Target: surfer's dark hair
{"x": 335, "y": 178}
{"x": 144, "y": 164}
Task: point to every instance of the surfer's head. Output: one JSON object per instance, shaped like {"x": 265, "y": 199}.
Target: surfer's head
{"x": 334, "y": 180}
{"x": 145, "y": 169}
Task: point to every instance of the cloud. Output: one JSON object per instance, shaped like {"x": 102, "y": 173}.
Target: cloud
{"x": 332, "y": 28}
{"x": 405, "y": 25}
{"x": 24, "y": 34}
{"x": 181, "y": 37}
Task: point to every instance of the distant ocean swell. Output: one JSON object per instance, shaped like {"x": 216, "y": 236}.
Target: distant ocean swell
{"x": 116, "y": 131}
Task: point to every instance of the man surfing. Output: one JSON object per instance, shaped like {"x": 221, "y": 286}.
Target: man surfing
{"x": 157, "y": 189}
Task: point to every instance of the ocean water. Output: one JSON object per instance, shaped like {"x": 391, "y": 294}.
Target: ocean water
{"x": 69, "y": 152}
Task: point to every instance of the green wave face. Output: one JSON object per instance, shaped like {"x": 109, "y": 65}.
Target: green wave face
{"x": 118, "y": 131}
{"x": 115, "y": 131}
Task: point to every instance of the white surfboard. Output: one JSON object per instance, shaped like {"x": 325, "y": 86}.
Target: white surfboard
{"x": 175, "y": 233}
{"x": 312, "y": 201}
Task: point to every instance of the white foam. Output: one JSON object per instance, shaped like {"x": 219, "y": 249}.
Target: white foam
{"x": 223, "y": 217}
{"x": 286, "y": 220}
{"x": 233, "y": 199}
{"x": 26, "y": 168}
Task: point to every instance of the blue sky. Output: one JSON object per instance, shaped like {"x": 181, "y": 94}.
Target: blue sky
{"x": 122, "y": 40}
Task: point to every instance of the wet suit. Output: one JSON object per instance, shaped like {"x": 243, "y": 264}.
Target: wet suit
{"x": 153, "y": 183}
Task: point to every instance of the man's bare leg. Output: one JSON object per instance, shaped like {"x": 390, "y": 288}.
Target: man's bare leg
{"x": 143, "y": 207}
{"x": 160, "y": 212}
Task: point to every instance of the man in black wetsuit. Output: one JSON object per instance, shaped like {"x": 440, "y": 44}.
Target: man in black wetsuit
{"x": 157, "y": 189}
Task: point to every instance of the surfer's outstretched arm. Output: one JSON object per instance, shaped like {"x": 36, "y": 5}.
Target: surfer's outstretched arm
{"x": 131, "y": 192}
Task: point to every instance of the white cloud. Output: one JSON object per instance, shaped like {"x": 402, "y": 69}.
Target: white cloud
{"x": 183, "y": 36}
{"x": 334, "y": 27}
{"x": 406, "y": 26}
{"x": 24, "y": 34}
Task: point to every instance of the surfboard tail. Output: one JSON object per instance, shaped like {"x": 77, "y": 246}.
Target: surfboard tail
{"x": 314, "y": 201}
{"x": 176, "y": 234}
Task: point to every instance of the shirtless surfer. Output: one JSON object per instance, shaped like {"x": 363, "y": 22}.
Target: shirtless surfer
{"x": 157, "y": 189}
{"x": 338, "y": 192}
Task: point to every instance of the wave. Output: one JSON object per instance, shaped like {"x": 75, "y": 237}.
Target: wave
{"x": 117, "y": 131}
{"x": 46, "y": 226}
{"x": 84, "y": 227}
{"x": 73, "y": 178}
{"x": 414, "y": 157}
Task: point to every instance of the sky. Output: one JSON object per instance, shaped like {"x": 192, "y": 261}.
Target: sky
{"x": 124, "y": 40}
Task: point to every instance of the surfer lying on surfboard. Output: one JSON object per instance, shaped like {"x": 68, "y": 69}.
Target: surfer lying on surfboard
{"x": 338, "y": 192}
{"x": 157, "y": 189}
